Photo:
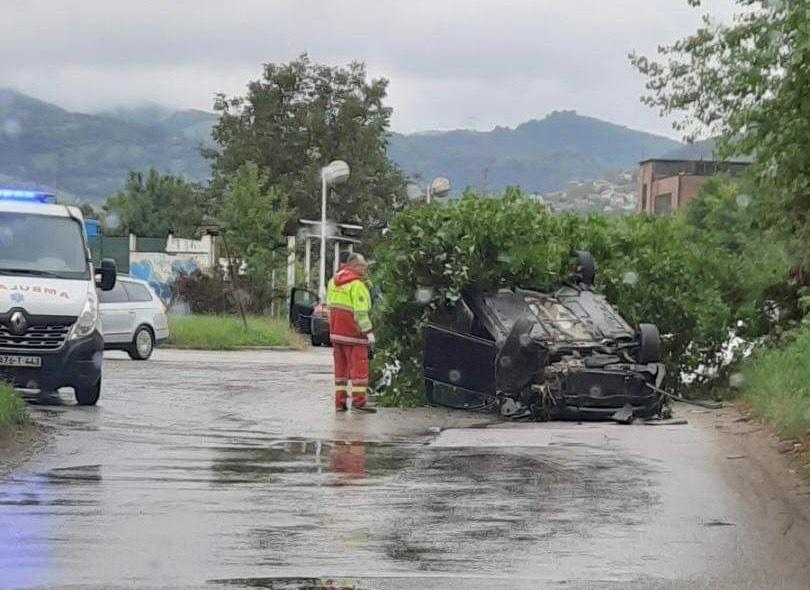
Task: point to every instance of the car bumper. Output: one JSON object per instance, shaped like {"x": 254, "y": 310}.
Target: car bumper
{"x": 598, "y": 394}
{"x": 579, "y": 395}
{"x": 161, "y": 335}
{"x": 77, "y": 364}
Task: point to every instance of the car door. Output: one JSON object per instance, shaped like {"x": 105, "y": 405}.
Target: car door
{"x": 116, "y": 317}
{"x": 302, "y": 304}
{"x": 141, "y": 302}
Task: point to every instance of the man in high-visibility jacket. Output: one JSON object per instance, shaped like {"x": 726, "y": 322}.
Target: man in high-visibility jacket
{"x": 349, "y": 302}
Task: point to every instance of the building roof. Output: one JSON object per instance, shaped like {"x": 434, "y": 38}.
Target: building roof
{"x": 686, "y": 161}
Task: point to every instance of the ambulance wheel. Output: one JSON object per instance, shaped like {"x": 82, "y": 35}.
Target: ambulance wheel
{"x": 88, "y": 396}
{"x": 143, "y": 343}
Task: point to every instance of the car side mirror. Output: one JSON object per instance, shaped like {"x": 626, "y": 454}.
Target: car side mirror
{"x": 105, "y": 276}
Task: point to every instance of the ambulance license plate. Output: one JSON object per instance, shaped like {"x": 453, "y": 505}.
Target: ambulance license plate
{"x": 28, "y": 362}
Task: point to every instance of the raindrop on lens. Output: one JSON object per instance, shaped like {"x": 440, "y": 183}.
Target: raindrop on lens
{"x": 423, "y": 295}
{"x": 743, "y": 200}
{"x": 111, "y": 221}
{"x": 455, "y": 376}
{"x": 595, "y": 391}
{"x": 736, "y": 380}
{"x": 11, "y": 128}
{"x": 630, "y": 277}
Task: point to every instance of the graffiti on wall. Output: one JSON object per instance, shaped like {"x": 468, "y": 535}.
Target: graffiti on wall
{"x": 160, "y": 270}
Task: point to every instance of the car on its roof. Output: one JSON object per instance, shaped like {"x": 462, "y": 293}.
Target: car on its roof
{"x": 563, "y": 354}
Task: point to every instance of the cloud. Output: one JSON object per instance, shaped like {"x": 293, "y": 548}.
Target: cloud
{"x": 452, "y": 63}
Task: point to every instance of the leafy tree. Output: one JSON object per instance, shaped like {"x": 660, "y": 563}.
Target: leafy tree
{"x": 155, "y": 204}
{"x": 253, "y": 217}
{"x": 296, "y": 119}
{"x": 747, "y": 82}
{"x": 727, "y": 214}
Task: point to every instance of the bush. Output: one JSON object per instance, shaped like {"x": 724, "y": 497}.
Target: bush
{"x": 651, "y": 268}
{"x": 12, "y": 409}
{"x": 203, "y": 293}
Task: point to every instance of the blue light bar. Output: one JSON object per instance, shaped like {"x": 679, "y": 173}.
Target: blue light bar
{"x": 29, "y": 196}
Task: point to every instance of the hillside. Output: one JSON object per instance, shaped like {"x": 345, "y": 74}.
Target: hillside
{"x": 87, "y": 156}
{"x": 538, "y": 155}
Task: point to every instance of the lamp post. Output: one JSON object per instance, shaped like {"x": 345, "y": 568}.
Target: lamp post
{"x": 336, "y": 172}
{"x": 438, "y": 188}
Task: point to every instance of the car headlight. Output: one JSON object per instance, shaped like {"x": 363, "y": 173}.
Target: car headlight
{"x": 88, "y": 319}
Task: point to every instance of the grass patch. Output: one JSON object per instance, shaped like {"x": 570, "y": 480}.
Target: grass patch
{"x": 203, "y": 332}
{"x": 12, "y": 409}
{"x": 777, "y": 386}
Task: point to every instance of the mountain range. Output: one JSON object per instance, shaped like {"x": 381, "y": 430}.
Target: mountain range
{"x": 87, "y": 156}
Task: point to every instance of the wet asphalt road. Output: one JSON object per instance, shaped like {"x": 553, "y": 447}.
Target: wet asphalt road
{"x": 229, "y": 470}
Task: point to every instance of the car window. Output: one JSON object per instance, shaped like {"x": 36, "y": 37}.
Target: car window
{"x": 137, "y": 292}
{"x": 116, "y": 295}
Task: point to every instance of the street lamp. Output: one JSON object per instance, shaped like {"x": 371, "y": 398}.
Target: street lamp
{"x": 335, "y": 173}
{"x": 438, "y": 188}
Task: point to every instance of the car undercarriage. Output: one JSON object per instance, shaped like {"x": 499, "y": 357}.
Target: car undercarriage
{"x": 566, "y": 354}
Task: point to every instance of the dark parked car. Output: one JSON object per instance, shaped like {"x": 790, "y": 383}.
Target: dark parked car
{"x": 567, "y": 354}
{"x": 308, "y": 316}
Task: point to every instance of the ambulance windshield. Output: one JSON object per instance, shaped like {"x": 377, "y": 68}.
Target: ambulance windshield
{"x": 41, "y": 245}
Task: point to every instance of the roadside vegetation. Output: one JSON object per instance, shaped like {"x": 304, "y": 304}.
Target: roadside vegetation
{"x": 744, "y": 83}
{"x": 227, "y": 332}
{"x": 681, "y": 272}
{"x": 777, "y": 385}
{"x": 12, "y": 409}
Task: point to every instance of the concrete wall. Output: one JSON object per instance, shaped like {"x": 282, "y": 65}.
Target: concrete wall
{"x": 160, "y": 269}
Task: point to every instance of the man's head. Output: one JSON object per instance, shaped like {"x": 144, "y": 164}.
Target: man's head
{"x": 357, "y": 262}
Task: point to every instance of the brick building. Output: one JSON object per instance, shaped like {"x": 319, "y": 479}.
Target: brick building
{"x": 665, "y": 186}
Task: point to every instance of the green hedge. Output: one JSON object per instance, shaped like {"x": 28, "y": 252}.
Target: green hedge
{"x": 654, "y": 269}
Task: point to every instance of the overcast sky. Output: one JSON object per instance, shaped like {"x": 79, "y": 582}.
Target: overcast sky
{"x": 451, "y": 63}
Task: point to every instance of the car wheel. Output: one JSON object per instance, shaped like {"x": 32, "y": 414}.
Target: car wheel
{"x": 649, "y": 344}
{"x": 88, "y": 396}
{"x": 586, "y": 267}
{"x": 143, "y": 343}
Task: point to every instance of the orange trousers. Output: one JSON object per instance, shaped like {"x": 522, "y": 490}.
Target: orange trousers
{"x": 351, "y": 364}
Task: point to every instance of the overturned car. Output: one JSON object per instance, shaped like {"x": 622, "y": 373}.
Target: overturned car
{"x": 567, "y": 354}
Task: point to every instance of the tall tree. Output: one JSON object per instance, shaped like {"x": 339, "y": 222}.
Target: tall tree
{"x": 296, "y": 119}
{"x": 155, "y": 204}
{"x": 253, "y": 215}
{"x": 747, "y": 82}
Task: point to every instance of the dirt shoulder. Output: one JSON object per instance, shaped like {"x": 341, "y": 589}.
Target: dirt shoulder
{"x": 20, "y": 444}
{"x": 770, "y": 474}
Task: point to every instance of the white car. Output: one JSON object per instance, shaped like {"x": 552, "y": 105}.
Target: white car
{"x": 133, "y": 318}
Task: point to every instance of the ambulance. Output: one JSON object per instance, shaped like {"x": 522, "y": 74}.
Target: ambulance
{"x": 50, "y": 332}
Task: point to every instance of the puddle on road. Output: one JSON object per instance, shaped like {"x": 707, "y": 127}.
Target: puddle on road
{"x": 313, "y": 506}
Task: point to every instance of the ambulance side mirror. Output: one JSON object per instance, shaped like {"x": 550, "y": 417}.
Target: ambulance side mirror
{"x": 106, "y": 274}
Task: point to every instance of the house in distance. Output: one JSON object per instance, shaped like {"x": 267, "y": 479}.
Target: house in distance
{"x": 666, "y": 186}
